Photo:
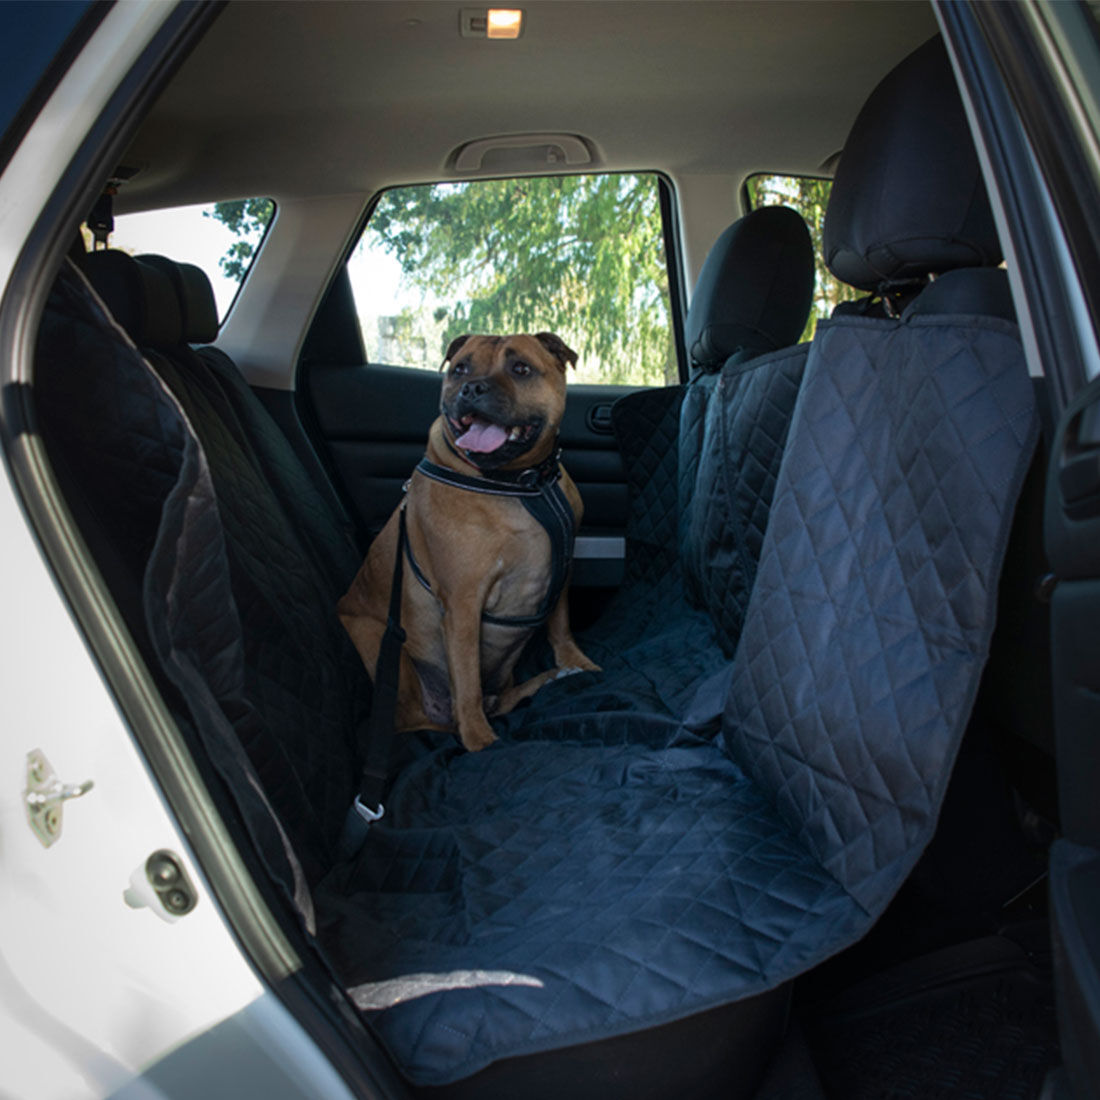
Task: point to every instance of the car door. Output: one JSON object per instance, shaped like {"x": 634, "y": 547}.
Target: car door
{"x": 120, "y": 973}
{"x": 369, "y": 409}
{"x": 116, "y": 963}
{"x": 1032, "y": 73}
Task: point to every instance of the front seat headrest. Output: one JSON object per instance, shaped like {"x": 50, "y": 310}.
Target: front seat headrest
{"x": 754, "y": 291}
{"x": 908, "y": 198}
{"x": 195, "y": 295}
{"x": 140, "y": 298}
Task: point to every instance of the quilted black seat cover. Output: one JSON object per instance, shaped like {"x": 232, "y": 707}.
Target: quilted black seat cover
{"x": 601, "y": 871}
{"x": 271, "y": 669}
{"x": 703, "y": 462}
{"x": 693, "y": 532}
{"x": 146, "y": 500}
{"x": 624, "y": 871}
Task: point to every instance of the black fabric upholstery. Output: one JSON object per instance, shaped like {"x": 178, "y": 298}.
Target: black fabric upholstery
{"x": 155, "y": 293}
{"x": 622, "y": 869}
{"x": 754, "y": 291}
{"x": 130, "y": 468}
{"x": 908, "y": 197}
{"x": 141, "y": 299}
{"x": 725, "y": 512}
{"x": 309, "y": 500}
{"x": 696, "y": 518}
{"x": 198, "y": 309}
{"x": 979, "y": 291}
{"x": 305, "y": 685}
{"x": 753, "y": 296}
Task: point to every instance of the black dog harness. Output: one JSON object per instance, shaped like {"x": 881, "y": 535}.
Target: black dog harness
{"x": 538, "y": 488}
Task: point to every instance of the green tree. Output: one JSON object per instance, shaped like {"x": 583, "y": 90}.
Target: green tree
{"x": 809, "y": 196}
{"x": 582, "y": 256}
{"x": 248, "y": 219}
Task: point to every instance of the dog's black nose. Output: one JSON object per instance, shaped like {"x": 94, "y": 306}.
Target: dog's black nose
{"x": 474, "y": 388}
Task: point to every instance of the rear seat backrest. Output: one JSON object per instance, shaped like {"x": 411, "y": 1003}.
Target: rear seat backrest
{"x": 726, "y": 493}
{"x": 750, "y": 306}
{"x": 303, "y": 490}
{"x": 753, "y": 296}
{"x": 869, "y": 622}
{"x": 305, "y": 685}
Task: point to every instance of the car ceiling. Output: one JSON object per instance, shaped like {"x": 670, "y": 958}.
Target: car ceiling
{"x": 294, "y": 99}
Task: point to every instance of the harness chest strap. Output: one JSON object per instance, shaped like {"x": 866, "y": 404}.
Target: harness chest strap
{"x": 544, "y": 499}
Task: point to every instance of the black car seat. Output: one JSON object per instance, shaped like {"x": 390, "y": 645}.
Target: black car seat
{"x": 752, "y": 297}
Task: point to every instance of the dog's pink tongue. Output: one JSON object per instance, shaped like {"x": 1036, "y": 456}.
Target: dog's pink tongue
{"x": 481, "y": 437}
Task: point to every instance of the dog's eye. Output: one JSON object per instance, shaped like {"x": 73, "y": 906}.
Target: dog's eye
{"x": 520, "y": 370}
{"x": 460, "y": 368}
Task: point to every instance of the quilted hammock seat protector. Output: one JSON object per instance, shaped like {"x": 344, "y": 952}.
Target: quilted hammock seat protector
{"x": 600, "y": 872}
{"x": 606, "y": 872}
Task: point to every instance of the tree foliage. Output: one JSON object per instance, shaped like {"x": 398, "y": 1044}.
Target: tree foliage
{"x": 248, "y": 219}
{"x": 582, "y": 256}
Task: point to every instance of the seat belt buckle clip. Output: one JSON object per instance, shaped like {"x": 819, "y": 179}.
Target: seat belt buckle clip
{"x": 368, "y": 815}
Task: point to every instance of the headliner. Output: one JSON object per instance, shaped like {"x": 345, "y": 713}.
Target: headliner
{"x": 293, "y": 99}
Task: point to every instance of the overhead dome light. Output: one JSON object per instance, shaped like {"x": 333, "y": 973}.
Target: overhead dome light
{"x": 504, "y": 23}
{"x": 490, "y": 22}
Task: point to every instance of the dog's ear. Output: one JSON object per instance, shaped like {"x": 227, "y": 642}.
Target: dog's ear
{"x": 455, "y": 344}
{"x": 556, "y": 346}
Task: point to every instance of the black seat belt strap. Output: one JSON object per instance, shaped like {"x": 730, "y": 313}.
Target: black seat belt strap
{"x": 378, "y": 731}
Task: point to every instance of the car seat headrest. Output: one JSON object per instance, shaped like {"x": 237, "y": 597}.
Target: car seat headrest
{"x": 755, "y": 288}
{"x": 140, "y": 298}
{"x": 195, "y": 295}
{"x": 908, "y": 199}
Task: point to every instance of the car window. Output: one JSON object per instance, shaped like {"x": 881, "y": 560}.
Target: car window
{"x": 581, "y": 256}
{"x": 221, "y": 238}
{"x": 809, "y": 195}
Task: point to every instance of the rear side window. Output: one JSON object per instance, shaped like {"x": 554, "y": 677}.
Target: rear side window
{"x": 581, "y": 256}
{"x": 809, "y": 195}
{"x": 221, "y": 238}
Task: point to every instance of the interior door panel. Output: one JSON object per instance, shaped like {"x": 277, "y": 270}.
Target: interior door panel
{"x": 373, "y": 421}
{"x": 1073, "y": 545}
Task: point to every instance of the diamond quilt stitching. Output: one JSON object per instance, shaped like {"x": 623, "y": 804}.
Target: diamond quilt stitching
{"x": 658, "y": 876}
{"x": 639, "y": 870}
{"x": 866, "y": 594}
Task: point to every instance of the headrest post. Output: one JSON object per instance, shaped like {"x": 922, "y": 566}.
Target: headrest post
{"x": 101, "y": 220}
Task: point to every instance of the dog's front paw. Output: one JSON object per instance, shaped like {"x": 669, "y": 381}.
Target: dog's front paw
{"x": 476, "y": 736}
{"x": 563, "y": 672}
{"x": 569, "y": 656}
{"x": 583, "y": 664}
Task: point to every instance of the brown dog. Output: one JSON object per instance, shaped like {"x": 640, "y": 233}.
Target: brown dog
{"x": 481, "y": 566}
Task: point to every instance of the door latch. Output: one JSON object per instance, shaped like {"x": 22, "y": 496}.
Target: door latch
{"x": 45, "y": 795}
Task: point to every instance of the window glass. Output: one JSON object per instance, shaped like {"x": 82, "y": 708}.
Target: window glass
{"x": 582, "y": 256}
{"x": 809, "y": 195}
{"x": 221, "y": 238}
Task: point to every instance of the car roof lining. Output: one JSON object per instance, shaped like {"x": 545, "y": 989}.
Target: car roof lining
{"x": 293, "y": 100}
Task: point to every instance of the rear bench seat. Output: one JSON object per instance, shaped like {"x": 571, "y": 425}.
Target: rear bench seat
{"x": 616, "y": 910}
